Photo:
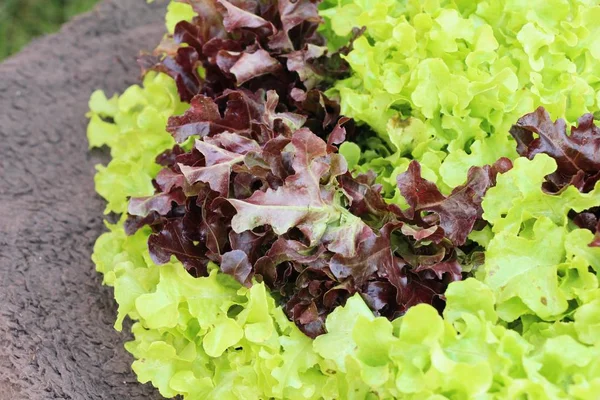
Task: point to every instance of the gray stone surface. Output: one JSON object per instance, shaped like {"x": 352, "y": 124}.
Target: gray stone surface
{"x": 56, "y": 335}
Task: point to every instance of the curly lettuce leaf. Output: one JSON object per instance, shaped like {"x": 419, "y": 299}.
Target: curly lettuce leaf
{"x": 230, "y": 342}
{"x": 132, "y": 125}
{"x": 538, "y": 261}
{"x": 442, "y": 82}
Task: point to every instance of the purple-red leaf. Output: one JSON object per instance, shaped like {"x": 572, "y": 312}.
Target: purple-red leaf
{"x": 452, "y": 268}
{"x": 577, "y": 155}
{"x": 236, "y": 264}
{"x": 236, "y": 17}
{"x": 217, "y": 171}
{"x": 162, "y": 203}
{"x": 253, "y": 65}
{"x": 458, "y": 212}
{"x": 293, "y": 13}
{"x": 269, "y": 45}
{"x": 201, "y": 119}
{"x": 303, "y": 201}
{"x": 170, "y": 241}
{"x": 374, "y": 252}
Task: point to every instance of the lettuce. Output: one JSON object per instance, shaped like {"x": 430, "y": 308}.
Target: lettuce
{"x": 527, "y": 326}
{"x": 443, "y": 81}
{"x": 538, "y": 262}
{"x": 262, "y": 191}
{"x": 133, "y": 127}
{"x": 191, "y": 339}
{"x": 266, "y": 199}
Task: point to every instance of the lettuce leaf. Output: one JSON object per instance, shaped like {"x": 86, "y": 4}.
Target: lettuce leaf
{"x": 538, "y": 262}
{"x": 576, "y": 155}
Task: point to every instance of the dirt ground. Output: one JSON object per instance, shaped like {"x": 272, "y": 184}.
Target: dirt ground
{"x": 56, "y": 335}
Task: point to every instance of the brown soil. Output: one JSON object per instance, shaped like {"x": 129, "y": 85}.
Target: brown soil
{"x": 56, "y": 335}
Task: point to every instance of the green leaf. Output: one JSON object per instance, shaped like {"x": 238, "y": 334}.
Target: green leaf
{"x": 159, "y": 365}
{"x": 297, "y": 358}
{"x": 453, "y": 76}
{"x": 351, "y": 153}
{"x": 225, "y": 333}
{"x": 460, "y": 297}
{"x": 338, "y": 342}
{"x": 186, "y": 383}
{"x": 255, "y": 318}
{"x": 536, "y": 262}
{"x": 177, "y": 12}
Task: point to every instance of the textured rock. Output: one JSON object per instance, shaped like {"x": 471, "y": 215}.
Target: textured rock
{"x": 56, "y": 335}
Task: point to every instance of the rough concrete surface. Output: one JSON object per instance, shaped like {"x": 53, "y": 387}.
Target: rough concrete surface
{"x": 56, "y": 334}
